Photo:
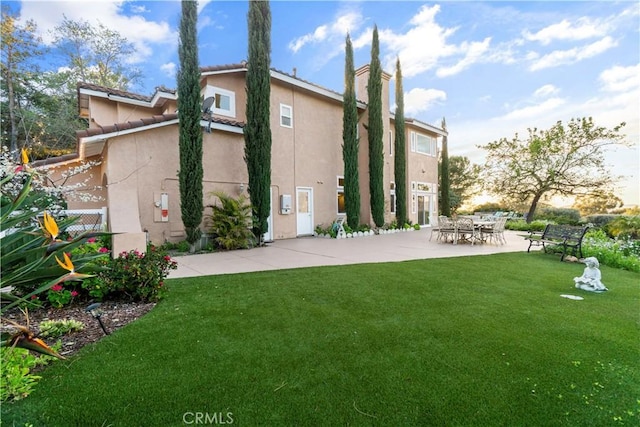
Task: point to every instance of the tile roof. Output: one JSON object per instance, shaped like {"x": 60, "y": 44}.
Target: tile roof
{"x": 122, "y": 93}
{"x": 225, "y": 67}
{"x": 244, "y": 64}
{"x": 146, "y": 121}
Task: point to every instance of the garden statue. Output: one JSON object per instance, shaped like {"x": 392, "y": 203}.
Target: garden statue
{"x": 590, "y": 279}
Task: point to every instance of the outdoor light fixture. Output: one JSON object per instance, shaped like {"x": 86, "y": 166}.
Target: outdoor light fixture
{"x": 241, "y": 187}
{"x": 96, "y": 312}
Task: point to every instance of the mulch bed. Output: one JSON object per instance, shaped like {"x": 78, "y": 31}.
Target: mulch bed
{"x": 115, "y": 315}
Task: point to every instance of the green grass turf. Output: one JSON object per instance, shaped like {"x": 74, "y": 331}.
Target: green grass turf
{"x": 483, "y": 340}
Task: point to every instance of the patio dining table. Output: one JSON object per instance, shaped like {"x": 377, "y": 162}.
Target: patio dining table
{"x": 478, "y": 225}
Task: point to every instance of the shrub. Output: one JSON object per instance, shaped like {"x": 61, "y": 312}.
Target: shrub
{"x": 230, "y": 222}
{"x": 58, "y": 328}
{"x": 625, "y": 226}
{"x": 620, "y": 253}
{"x": 96, "y": 250}
{"x": 16, "y": 380}
{"x": 560, "y": 215}
{"x": 600, "y": 220}
{"x": 58, "y": 296}
{"x": 521, "y": 225}
{"x": 490, "y": 207}
{"x": 364, "y": 227}
{"x": 137, "y": 276}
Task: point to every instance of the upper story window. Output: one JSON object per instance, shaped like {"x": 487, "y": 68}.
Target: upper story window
{"x": 286, "y": 116}
{"x": 390, "y": 142}
{"x": 224, "y": 101}
{"x": 423, "y": 144}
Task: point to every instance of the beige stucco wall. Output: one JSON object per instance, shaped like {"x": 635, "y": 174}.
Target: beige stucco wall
{"x": 139, "y": 167}
{"x": 88, "y": 191}
{"x": 104, "y": 112}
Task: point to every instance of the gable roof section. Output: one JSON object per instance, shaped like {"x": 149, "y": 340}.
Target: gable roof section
{"x": 281, "y": 76}
{"x": 422, "y": 125}
{"x": 160, "y": 96}
{"x": 91, "y": 141}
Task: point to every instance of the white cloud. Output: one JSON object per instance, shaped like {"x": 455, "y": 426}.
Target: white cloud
{"x": 139, "y": 9}
{"x": 618, "y": 79}
{"x": 419, "y": 100}
{"x": 318, "y": 35}
{"x": 546, "y": 90}
{"x": 335, "y": 31}
{"x": 584, "y": 28}
{"x": 410, "y": 45}
{"x": 142, "y": 33}
{"x": 534, "y": 111}
{"x": 169, "y": 69}
{"x": 202, "y": 4}
{"x": 473, "y": 52}
{"x": 570, "y": 56}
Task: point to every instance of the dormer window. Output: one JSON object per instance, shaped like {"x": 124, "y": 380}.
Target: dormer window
{"x": 224, "y": 103}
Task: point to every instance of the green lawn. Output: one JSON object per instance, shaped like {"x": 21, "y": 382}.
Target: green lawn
{"x": 484, "y": 340}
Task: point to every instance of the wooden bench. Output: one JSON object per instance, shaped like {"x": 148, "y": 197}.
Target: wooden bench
{"x": 567, "y": 236}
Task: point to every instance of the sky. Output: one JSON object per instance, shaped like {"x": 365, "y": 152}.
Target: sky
{"x": 492, "y": 69}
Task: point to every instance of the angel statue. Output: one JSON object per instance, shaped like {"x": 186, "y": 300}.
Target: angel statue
{"x": 590, "y": 279}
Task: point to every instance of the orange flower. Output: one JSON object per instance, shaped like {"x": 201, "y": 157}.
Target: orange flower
{"x": 25, "y": 156}
{"x": 67, "y": 265}
{"x": 50, "y": 227}
{"x": 71, "y": 275}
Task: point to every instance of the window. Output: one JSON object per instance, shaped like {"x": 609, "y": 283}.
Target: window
{"x": 286, "y": 116}
{"x": 390, "y": 143}
{"x": 392, "y": 198}
{"x": 341, "y": 209}
{"x": 423, "y": 144}
{"x": 224, "y": 102}
{"x": 413, "y": 197}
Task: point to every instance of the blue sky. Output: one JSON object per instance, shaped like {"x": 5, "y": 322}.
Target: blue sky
{"x": 490, "y": 68}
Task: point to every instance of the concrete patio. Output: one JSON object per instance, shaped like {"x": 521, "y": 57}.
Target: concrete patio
{"x": 316, "y": 251}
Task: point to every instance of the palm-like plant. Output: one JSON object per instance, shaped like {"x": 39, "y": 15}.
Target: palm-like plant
{"x": 230, "y": 222}
{"x": 33, "y": 259}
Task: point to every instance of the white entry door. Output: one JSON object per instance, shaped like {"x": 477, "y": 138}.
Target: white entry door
{"x": 304, "y": 210}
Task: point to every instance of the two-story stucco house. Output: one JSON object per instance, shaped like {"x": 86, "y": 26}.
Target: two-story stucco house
{"x": 136, "y": 137}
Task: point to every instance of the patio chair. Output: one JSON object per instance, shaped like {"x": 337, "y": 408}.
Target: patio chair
{"x": 495, "y": 233}
{"x": 436, "y": 229}
{"x": 446, "y": 229}
{"x": 466, "y": 231}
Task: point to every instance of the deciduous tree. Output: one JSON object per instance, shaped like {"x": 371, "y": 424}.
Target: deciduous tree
{"x": 375, "y": 133}
{"x": 400, "y": 159}
{"x": 189, "y": 116}
{"x": 464, "y": 180}
{"x": 350, "y": 143}
{"x": 20, "y": 45}
{"x": 597, "y": 203}
{"x": 257, "y": 131}
{"x": 94, "y": 54}
{"x": 564, "y": 160}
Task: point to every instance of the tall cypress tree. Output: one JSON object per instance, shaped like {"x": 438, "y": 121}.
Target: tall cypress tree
{"x": 400, "y": 166}
{"x": 375, "y": 133}
{"x": 350, "y": 141}
{"x": 189, "y": 116}
{"x": 257, "y": 131}
{"x": 445, "y": 187}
